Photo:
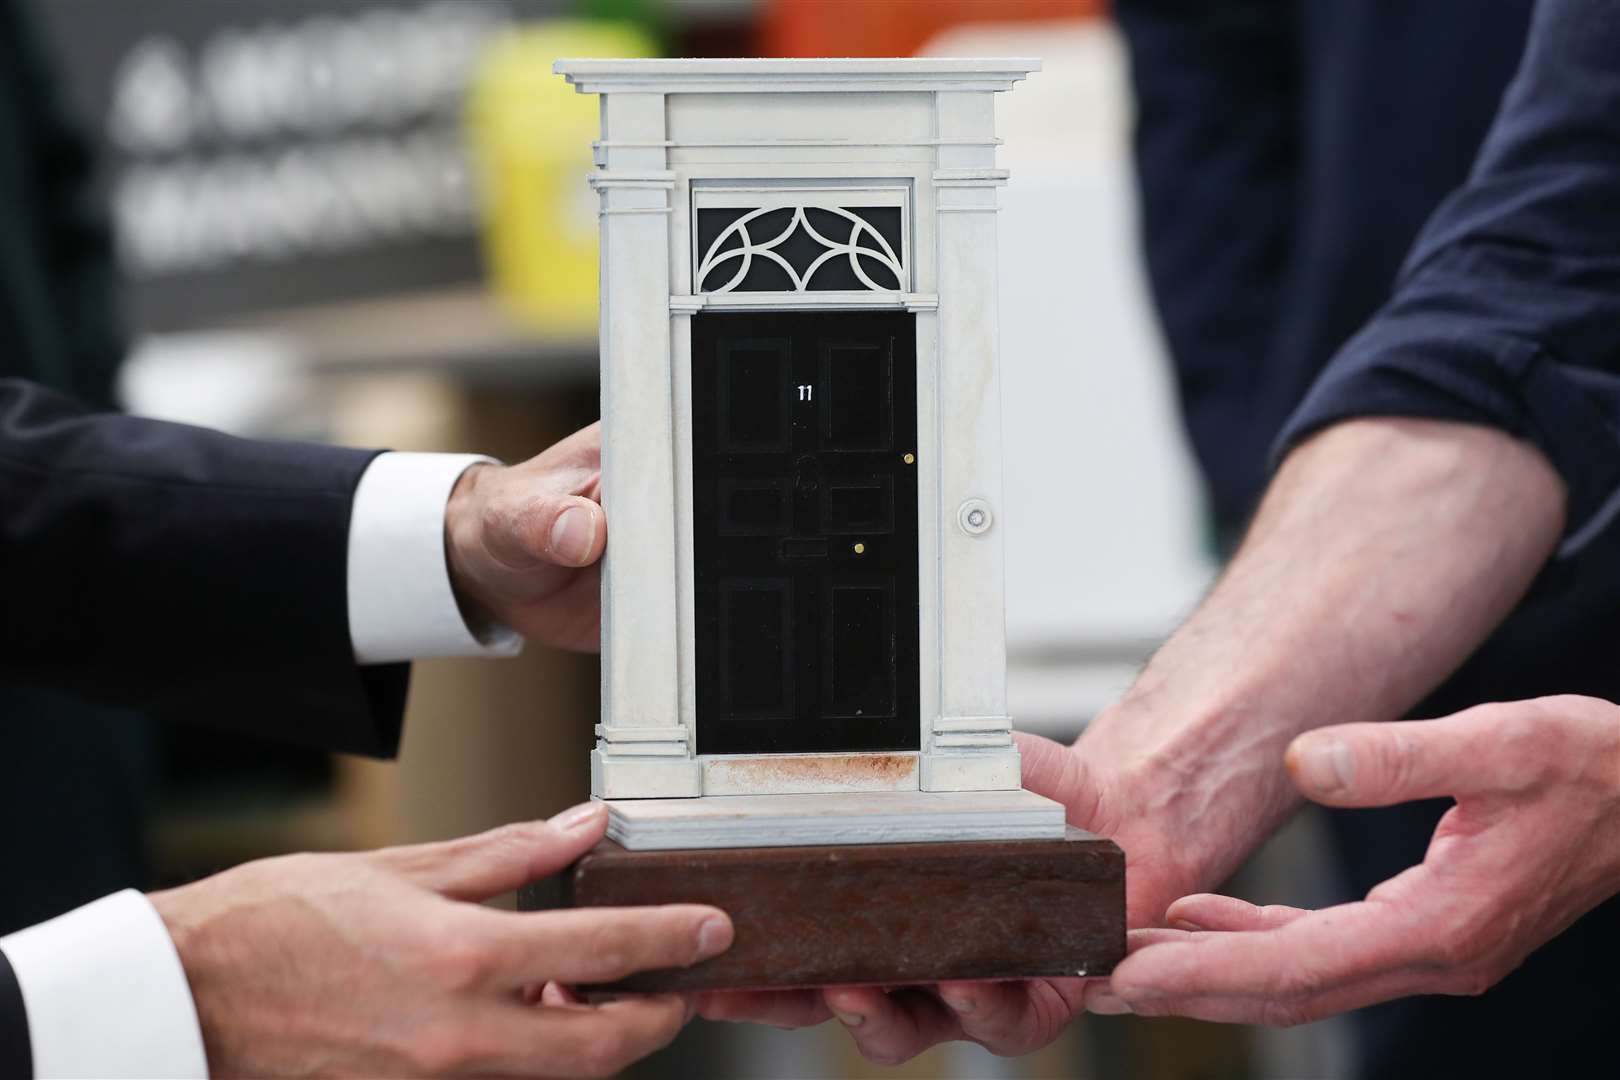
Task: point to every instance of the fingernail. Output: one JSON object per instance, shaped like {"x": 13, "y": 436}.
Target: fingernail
{"x": 578, "y": 817}
{"x": 1326, "y": 763}
{"x": 1107, "y": 1003}
{"x": 572, "y": 535}
{"x": 714, "y": 936}
{"x": 1186, "y": 924}
{"x": 850, "y": 1019}
{"x": 962, "y": 1005}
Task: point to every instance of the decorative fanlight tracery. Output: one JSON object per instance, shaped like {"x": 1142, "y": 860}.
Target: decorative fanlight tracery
{"x": 811, "y": 248}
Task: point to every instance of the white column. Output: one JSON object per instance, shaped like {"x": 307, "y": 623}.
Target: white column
{"x": 643, "y": 749}
{"x": 970, "y": 747}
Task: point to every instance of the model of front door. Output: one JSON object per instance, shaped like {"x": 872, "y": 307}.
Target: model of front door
{"x": 804, "y": 495}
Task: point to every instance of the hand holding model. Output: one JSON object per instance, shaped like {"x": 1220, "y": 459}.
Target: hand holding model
{"x": 383, "y": 963}
{"x": 523, "y": 542}
{"x": 1186, "y": 771}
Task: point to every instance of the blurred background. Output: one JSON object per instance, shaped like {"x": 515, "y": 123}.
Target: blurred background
{"x": 368, "y": 223}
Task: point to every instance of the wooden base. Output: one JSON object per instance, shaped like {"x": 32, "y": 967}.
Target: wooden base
{"x": 889, "y": 914}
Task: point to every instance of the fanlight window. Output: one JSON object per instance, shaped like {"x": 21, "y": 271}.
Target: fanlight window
{"x": 800, "y": 249}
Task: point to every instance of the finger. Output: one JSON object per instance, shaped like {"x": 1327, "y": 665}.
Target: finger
{"x": 545, "y": 527}
{"x": 1243, "y": 1009}
{"x": 1101, "y": 999}
{"x": 582, "y": 449}
{"x": 590, "y": 1042}
{"x": 594, "y": 945}
{"x": 778, "y": 1008}
{"x": 1099, "y": 996}
{"x": 1056, "y": 771}
{"x": 1152, "y": 935}
{"x": 1207, "y": 911}
{"x": 1310, "y": 956}
{"x": 1013, "y": 1017}
{"x": 889, "y": 1028}
{"x": 500, "y": 860}
{"x": 1393, "y": 762}
{"x": 1047, "y": 765}
{"x": 556, "y": 995}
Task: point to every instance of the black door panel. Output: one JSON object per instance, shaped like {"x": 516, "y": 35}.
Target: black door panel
{"x": 755, "y": 417}
{"x": 805, "y": 522}
{"x": 756, "y": 645}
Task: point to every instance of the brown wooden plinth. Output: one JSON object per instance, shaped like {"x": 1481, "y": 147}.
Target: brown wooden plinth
{"x": 872, "y": 913}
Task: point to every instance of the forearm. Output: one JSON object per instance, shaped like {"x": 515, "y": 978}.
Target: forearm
{"x": 1384, "y": 553}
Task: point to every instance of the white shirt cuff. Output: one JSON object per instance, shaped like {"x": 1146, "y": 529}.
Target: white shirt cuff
{"x": 105, "y": 993}
{"x": 401, "y": 605}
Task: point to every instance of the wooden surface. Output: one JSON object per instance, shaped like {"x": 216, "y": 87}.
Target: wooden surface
{"x": 875, "y": 913}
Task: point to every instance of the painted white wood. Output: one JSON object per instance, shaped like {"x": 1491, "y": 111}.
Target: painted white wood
{"x": 793, "y": 76}
{"x": 640, "y": 657}
{"x": 891, "y": 817}
{"x": 718, "y": 269}
{"x": 680, "y": 135}
{"x": 827, "y": 301}
{"x": 972, "y": 619}
{"x": 701, "y": 121}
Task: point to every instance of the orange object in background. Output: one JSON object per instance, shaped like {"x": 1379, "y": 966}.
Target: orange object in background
{"x": 892, "y": 27}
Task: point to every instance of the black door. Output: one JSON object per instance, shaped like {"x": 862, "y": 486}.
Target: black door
{"x": 804, "y": 494}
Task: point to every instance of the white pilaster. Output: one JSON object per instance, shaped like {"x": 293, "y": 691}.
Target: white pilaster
{"x": 970, "y": 746}
{"x": 643, "y": 748}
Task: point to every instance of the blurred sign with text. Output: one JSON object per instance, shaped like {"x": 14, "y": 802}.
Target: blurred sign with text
{"x": 275, "y": 153}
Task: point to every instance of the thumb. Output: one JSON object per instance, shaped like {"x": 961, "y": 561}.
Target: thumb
{"x": 565, "y": 530}
{"x": 500, "y": 860}
{"x": 1052, "y": 769}
{"x": 1393, "y": 762}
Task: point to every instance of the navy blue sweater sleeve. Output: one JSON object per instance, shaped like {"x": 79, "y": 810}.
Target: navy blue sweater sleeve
{"x": 1507, "y": 312}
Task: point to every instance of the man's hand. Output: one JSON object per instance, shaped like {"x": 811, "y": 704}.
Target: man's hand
{"x": 523, "y": 543}
{"x": 378, "y": 964}
{"x": 1532, "y": 844}
{"x": 1383, "y": 553}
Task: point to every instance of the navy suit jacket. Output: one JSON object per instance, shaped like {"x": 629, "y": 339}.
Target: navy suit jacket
{"x": 194, "y": 574}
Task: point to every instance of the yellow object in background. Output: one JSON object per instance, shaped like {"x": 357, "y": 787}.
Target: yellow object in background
{"x": 530, "y": 135}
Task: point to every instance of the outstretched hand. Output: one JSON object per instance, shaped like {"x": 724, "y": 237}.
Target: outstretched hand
{"x": 376, "y": 964}
{"x": 1532, "y": 844}
{"x": 524, "y": 543}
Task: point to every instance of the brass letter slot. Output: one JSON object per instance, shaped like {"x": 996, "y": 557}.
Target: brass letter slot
{"x": 804, "y": 547}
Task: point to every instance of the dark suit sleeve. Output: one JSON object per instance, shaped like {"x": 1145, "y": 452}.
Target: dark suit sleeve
{"x": 193, "y": 574}
{"x": 1508, "y": 311}
{"x": 16, "y": 1049}
{"x": 60, "y": 310}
